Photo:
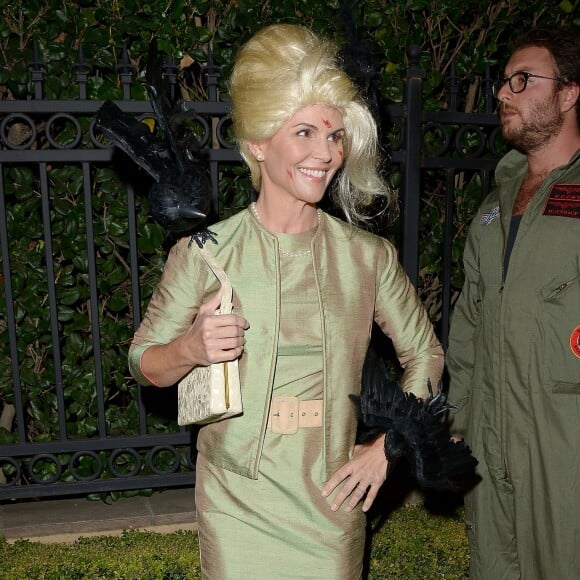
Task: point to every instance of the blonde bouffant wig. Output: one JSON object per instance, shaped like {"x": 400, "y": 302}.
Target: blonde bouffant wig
{"x": 286, "y": 67}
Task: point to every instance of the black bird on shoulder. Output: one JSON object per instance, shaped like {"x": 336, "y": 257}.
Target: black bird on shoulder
{"x": 180, "y": 197}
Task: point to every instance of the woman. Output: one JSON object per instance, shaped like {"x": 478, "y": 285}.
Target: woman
{"x": 277, "y": 499}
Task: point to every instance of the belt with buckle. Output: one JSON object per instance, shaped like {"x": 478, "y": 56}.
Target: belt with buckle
{"x": 288, "y": 414}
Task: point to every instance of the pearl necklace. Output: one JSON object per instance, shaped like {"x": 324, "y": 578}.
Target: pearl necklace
{"x": 254, "y": 210}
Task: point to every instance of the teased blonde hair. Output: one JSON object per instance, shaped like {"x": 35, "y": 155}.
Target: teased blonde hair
{"x": 286, "y": 67}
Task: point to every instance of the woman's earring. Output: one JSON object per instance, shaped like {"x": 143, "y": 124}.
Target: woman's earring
{"x": 259, "y": 157}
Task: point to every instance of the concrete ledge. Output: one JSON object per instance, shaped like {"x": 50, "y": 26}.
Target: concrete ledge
{"x": 65, "y": 520}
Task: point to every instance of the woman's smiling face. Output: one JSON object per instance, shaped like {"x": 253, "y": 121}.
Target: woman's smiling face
{"x": 301, "y": 159}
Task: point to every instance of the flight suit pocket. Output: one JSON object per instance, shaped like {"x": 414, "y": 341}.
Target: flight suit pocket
{"x": 560, "y": 330}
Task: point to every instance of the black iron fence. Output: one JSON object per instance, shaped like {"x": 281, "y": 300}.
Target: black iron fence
{"x": 441, "y": 145}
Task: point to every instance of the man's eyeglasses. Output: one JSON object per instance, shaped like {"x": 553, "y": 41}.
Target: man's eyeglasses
{"x": 517, "y": 82}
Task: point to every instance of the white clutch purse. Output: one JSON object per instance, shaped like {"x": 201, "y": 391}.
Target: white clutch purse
{"x": 211, "y": 393}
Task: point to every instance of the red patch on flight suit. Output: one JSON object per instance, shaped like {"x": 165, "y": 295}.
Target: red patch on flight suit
{"x": 575, "y": 341}
{"x": 563, "y": 201}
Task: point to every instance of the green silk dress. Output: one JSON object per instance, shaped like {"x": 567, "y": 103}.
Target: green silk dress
{"x": 279, "y": 526}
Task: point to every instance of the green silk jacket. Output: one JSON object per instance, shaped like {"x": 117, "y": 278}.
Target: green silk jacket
{"x": 358, "y": 279}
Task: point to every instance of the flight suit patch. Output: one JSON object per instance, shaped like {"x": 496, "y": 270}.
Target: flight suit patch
{"x": 575, "y": 341}
{"x": 487, "y": 217}
{"x": 563, "y": 201}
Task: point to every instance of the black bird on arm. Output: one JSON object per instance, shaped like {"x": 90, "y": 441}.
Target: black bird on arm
{"x": 417, "y": 431}
{"x": 180, "y": 197}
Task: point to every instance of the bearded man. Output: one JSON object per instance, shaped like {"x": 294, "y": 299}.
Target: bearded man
{"x": 514, "y": 350}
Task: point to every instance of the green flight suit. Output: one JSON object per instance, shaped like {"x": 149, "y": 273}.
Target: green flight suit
{"x": 514, "y": 364}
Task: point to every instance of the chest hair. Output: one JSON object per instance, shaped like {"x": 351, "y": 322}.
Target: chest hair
{"x": 528, "y": 188}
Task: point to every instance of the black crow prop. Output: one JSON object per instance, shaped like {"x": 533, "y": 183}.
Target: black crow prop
{"x": 417, "y": 431}
{"x": 180, "y": 196}
{"x": 356, "y": 57}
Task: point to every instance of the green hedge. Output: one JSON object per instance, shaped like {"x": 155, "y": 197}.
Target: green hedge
{"x": 412, "y": 544}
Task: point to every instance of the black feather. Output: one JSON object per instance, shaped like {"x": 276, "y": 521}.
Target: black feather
{"x": 180, "y": 197}
{"x": 416, "y": 430}
{"x": 360, "y": 62}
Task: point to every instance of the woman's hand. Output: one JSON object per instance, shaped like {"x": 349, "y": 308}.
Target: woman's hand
{"x": 210, "y": 339}
{"x": 362, "y": 476}
{"x": 214, "y": 338}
